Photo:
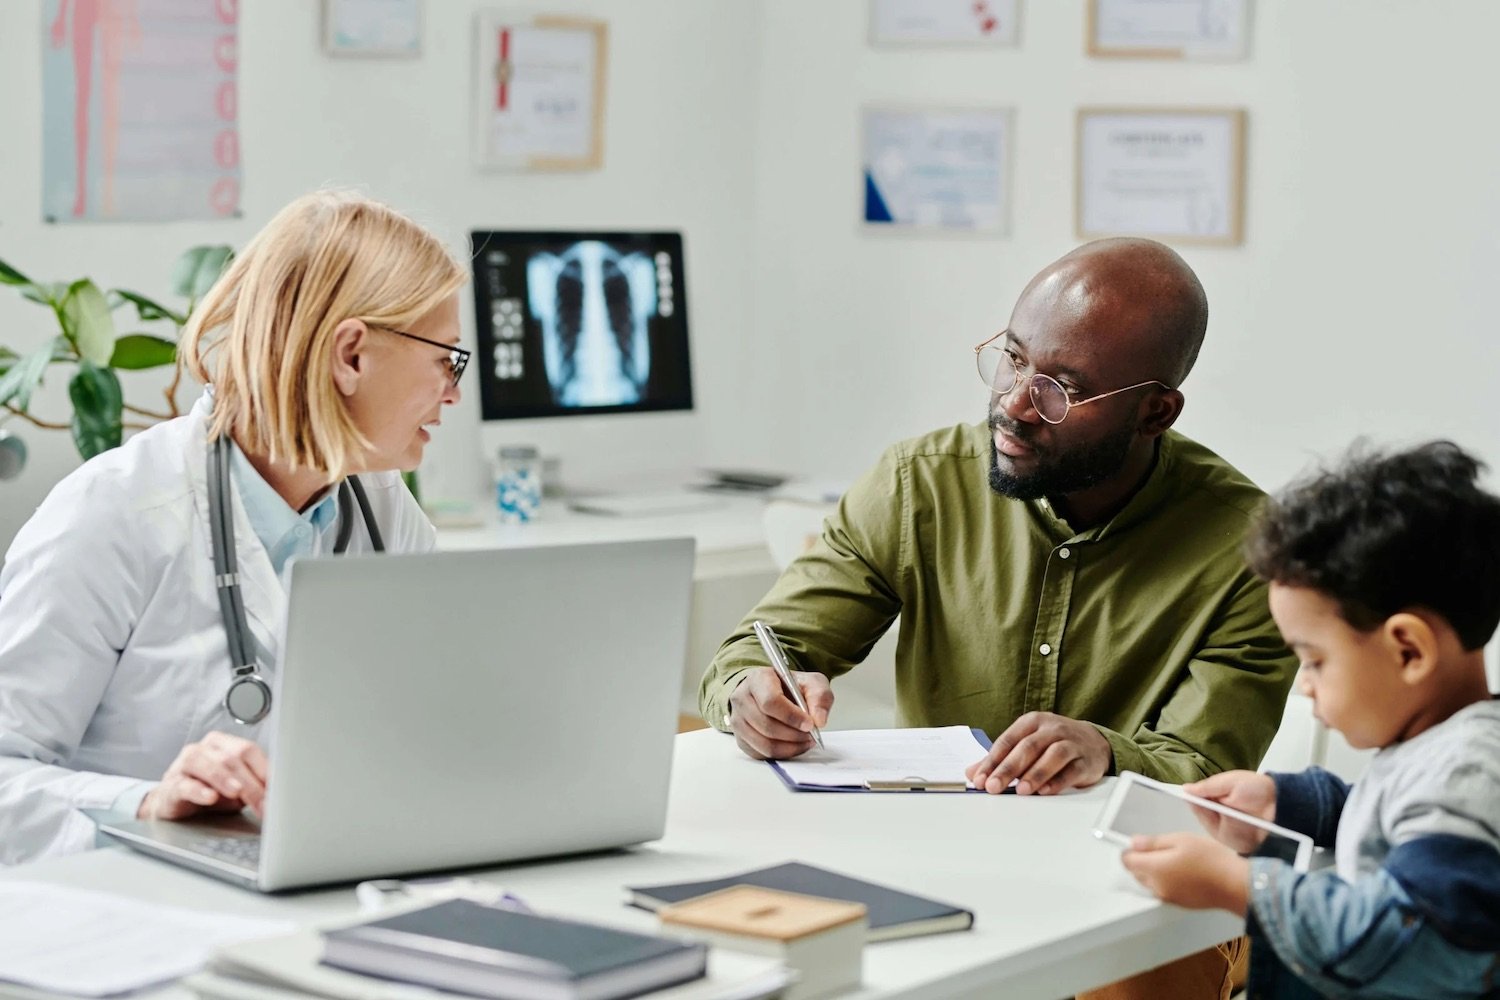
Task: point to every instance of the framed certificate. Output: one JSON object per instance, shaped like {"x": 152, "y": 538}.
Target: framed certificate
{"x": 937, "y": 169}
{"x": 372, "y": 27}
{"x": 945, "y": 22}
{"x": 539, "y": 92}
{"x": 1176, "y": 174}
{"x": 1169, "y": 29}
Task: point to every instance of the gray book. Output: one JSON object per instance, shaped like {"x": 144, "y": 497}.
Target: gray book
{"x": 893, "y": 913}
{"x": 485, "y": 951}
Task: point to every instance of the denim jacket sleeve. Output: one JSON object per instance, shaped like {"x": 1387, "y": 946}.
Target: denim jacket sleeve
{"x": 1369, "y": 937}
{"x": 1311, "y": 802}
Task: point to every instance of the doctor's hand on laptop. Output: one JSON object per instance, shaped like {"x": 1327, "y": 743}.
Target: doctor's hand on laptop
{"x": 767, "y": 724}
{"x": 221, "y": 773}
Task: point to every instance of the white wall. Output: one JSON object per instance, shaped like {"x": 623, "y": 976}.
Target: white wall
{"x": 678, "y": 137}
{"x": 1360, "y": 302}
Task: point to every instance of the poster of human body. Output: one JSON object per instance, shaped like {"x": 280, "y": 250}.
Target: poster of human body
{"x": 140, "y": 110}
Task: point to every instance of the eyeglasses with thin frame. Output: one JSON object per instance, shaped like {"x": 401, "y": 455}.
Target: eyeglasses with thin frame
{"x": 1048, "y": 396}
{"x": 458, "y": 358}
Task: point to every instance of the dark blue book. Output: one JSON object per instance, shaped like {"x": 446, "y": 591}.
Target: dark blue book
{"x": 892, "y": 913}
{"x": 485, "y": 951}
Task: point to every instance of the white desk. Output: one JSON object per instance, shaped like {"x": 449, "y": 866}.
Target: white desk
{"x": 731, "y": 572}
{"x": 731, "y": 524}
{"x": 1054, "y": 912}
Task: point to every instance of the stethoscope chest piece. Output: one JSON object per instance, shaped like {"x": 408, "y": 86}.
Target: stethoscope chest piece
{"x": 248, "y": 699}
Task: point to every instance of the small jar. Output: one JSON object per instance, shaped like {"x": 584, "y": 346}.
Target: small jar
{"x": 518, "y": 484}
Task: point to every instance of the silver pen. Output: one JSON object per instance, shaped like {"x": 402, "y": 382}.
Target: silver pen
{"x": 783, "y": 667}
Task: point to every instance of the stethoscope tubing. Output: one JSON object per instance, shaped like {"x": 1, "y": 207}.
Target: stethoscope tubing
{"x": 248, "y": 699}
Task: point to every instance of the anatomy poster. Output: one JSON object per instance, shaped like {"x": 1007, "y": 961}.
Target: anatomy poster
{"x": 139, "y": 110}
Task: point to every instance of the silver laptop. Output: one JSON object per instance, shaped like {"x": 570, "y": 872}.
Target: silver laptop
{"x": 447, "y": 710}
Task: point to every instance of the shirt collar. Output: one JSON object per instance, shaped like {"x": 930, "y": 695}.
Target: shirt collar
{"x": 271, "y": 517}
{"x": 1153, "y": 492}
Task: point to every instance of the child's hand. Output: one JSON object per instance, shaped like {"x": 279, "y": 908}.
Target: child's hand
{"x": 1191, "y": 871}
{"x": 1243, "y": 790}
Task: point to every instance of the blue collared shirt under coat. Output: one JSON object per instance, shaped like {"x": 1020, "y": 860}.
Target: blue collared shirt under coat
{"x": 283, "y": 531}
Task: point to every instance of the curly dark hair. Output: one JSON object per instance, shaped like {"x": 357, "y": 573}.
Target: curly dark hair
{"x": 1387, "y": 531}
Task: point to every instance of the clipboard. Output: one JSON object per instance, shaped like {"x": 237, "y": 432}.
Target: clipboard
{"x": 913, "y": 784}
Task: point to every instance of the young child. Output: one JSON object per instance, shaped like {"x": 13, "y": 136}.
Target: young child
{"x": 1385, "y": 581}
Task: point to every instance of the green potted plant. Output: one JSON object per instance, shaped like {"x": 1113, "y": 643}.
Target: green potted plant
{"x": 88, "y": 341}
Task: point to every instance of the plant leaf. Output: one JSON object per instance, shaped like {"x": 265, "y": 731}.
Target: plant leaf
{"x": 98, "y": 405}
{"x": 10, "y": 276}
{"x": 93, "y": 326}
{"x": 20, "y": 381}
{"x": 142, "y": 350}
{"x": 198, "y": 268}
{"x": 146, "y": 309}
{"x": 215, "y": 262}
{"x": 184, "y": 270}
{"x": 46, "y": 293}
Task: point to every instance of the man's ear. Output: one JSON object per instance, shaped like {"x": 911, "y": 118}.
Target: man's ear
{"x": 1161, "y": 411}
{"x": 350, "y": 342}
{"x": 1414, "y": 642}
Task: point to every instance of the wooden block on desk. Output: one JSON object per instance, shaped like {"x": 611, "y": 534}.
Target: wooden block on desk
{"x": 690, "y": 723}
{"x": 823, "y": 939}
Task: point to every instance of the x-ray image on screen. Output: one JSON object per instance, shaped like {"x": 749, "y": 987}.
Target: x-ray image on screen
{"x": 580, "y": 323}
{"x": 593, "y": 303}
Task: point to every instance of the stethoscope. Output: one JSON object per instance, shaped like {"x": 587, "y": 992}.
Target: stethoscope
{"x": 248, "y": 699}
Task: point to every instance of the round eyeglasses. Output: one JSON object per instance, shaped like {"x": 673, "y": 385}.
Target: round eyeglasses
{"x": 1001, "y": 371}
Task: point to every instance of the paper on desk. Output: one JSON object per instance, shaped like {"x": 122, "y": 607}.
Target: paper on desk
{"x": 855, "y": 756}
{"x": 85, "y": 943}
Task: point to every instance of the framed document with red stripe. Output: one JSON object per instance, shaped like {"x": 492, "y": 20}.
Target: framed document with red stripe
{"x": 539, "y": 92}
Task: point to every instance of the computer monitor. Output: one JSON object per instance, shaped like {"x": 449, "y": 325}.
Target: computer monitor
{"x": 572, "y": 323}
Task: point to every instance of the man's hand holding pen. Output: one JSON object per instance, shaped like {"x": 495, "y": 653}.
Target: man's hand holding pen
{"x": 767, "y": 724}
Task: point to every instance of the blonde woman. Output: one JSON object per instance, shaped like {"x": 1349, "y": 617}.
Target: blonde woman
{"x": 132, "y": 675}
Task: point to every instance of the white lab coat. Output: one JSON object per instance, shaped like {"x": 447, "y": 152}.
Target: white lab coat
{"x": 112, "y": 650}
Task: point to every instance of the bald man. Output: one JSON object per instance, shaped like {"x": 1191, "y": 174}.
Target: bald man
{"x": 1067, "y": 573}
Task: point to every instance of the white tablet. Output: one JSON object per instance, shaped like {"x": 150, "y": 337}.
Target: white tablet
{"x": 1139, "y": 805}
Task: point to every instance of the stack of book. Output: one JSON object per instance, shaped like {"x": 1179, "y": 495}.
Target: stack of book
{"x": 467, "y": 947}
{"x": 464, "y": 947}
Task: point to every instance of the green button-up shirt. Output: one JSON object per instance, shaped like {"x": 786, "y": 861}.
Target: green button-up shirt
{"x": 1150, "y": 626}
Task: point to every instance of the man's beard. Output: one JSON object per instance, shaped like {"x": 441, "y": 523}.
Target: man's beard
{"x": 1060, "y": 474}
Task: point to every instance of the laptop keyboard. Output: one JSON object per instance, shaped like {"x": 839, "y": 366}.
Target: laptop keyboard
{"x": 244, "y": 851}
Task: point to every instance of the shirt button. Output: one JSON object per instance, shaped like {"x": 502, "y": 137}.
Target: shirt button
{"x": 1261, "y": 881}
{"x": 1044, "y": 649}
{"x": 1063, "y": 553}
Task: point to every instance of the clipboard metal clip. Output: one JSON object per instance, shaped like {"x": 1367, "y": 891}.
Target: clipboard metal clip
{"x": 915, "y": 783}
